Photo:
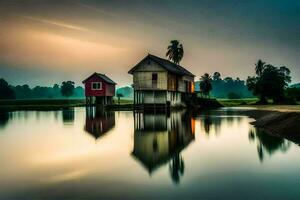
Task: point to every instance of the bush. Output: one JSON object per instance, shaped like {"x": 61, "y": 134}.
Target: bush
{"x": 233, "y": 95}
{"x": 293, "y": 93}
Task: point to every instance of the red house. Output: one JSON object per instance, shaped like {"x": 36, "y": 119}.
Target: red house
{"x": 99, "y": 89}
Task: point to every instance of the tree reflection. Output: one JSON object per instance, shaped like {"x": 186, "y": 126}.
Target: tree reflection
{"x": 176, "y": 168}
{"x": 4, "y": 118}
{"x": 159, "y": 138}
{"x": 267, "y": 143}
{"x": 98, "y": 121}
{"x": 207, "y": 124}
{"x": 211, "y": 123}
{"x": 68, "y": 115}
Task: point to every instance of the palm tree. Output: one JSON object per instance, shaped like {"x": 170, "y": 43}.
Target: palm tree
{"x": 175, "y": 51}
{"x": 259, "y": 67}
{"x": 205, "y": 84}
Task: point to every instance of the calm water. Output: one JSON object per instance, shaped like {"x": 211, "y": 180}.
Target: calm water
{"x": 90, "y": 154}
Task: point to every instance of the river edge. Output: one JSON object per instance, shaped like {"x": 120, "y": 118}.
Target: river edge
{"x": 276, "y": 121}
{"x": 285, "y": 124}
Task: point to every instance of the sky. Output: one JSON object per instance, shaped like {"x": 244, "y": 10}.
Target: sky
{"x": 46, "y": 42}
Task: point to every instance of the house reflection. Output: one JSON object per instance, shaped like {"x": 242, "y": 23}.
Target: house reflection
{"x": 159, "y": 139}
{"x": 4, "y": 118}
{"x": 68, "y": 115}
{"x": 267, "y": 144}
{"x": 98, "y": 121}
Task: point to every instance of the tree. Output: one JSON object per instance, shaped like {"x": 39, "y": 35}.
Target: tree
{"x": 67, "y": 88}
{"x": 5, "y": 90}
{"x": 175, "y": 51}
{"x": 217, "y": 76}
{"x": 259, "y": 67}
{"x": 293, "y": 93}
{"x": 205, "y": 84}
{"x": 270, "y": 83}
{"x": 233, "y": 95}
{"x": 119, "y": 95}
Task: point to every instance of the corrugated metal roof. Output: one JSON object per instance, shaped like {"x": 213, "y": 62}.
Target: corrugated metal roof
{"x": 166, "y": 64}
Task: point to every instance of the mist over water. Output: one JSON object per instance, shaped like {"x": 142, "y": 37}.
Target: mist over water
{"x": 87, "y": 153}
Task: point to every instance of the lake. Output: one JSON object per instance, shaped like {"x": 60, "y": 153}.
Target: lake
{"x": 91, "y": 154}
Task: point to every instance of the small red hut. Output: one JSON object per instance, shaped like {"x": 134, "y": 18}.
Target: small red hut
{"x": 99, "y": 89}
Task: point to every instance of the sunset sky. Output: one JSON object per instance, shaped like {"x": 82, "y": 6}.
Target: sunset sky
{"x": 46, "y": 42}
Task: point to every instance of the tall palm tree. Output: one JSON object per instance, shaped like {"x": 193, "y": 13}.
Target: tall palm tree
{"x": 259, "y": 67}
{"x": 175, "y": 51}
{"x": 205, "y": 84}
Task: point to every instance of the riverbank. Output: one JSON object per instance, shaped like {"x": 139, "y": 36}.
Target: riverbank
{"x": 279, "y": 123}
{"x": 39, "y": 104}
{"x": 54, "y": 104}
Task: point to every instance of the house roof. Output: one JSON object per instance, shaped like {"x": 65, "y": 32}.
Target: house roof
{"x": 166, "y": 64}
{"x": 102, "y": 76}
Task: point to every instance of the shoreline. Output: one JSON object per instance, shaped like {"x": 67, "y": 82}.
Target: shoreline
{"x": 276, "y": 120}
{"x": 284, "y": 124}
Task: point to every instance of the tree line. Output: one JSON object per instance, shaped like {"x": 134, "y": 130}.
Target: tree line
{"x": 268, "y": 83}
{"x": 218, "y": 87}
{"x": 65, "y": 89}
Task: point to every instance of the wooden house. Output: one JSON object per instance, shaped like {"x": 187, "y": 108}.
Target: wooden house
{"x": 158, "y": 81}
{"x": 99, "y": 89}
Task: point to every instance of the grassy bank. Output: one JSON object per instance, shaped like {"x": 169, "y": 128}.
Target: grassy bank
{"x": 237, "y": 102}
{"x": 251, "y": 103}
{"x": 51, "y": 104}
{"x": 39, "y": 104}
{"x": 125, "y": 104}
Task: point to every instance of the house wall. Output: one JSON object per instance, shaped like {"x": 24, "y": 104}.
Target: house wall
{"x": 168, "y": 89}
{"x": 182, "y": 83}
{"x": 142, "y": 76}
{"x": 158, "y": 97}
{"x": 151, "y": 97}
{"x": 174, "y": 98}
{"x": 110, "y": 90}
{"x": 107, "y": 89}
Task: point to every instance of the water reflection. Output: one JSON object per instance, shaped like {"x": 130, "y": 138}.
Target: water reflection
{"x": 159, "y": 139}
{"x": 4, "y": 118}
{"x": 98, "y": 121}
{"x": 212, "y": 120}
{"x": 267, "y": 144}
{"x": 68, "y": 115}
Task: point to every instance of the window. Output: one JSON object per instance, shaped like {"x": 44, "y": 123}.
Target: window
{"x": 154, "y": 77}
{"x": 154, "y": 80}
{"x": 96, "y": 86}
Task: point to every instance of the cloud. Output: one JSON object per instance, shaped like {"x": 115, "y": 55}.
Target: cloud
{"x": 57, "y": 23}
{"x": 97, "y": 10}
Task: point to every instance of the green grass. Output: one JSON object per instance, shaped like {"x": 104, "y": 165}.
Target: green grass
{"x": 39, "y": 104}
{"x": 237, "y": 102}
{"x": 49, "y": 104}
{"x": 250, "y": 103}
{"x": 282, "y": 108}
